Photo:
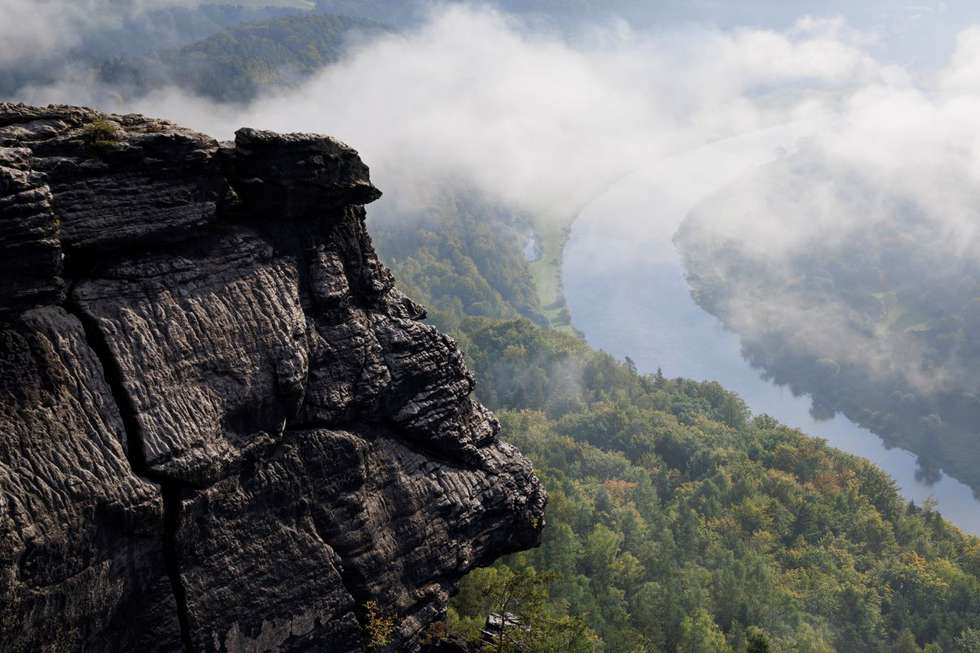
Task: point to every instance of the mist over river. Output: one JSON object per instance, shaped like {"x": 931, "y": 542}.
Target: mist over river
{"x": 626, "y": 290}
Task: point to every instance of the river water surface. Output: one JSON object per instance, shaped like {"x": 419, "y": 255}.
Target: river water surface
{"x": 625, "y": 286}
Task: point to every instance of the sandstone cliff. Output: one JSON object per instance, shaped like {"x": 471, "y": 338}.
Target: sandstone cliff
{"x": 222, "y": 428}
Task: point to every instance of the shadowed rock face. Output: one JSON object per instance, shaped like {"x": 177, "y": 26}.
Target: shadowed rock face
{"x": 221, "y": 426}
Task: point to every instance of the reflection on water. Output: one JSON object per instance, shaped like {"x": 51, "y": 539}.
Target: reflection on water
{"x": 624, "y": 283}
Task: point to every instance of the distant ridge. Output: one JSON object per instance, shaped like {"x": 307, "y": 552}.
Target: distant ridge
{"x": 236, "y": 63}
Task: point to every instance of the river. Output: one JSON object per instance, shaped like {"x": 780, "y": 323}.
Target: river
{"x": 625, "y": 287}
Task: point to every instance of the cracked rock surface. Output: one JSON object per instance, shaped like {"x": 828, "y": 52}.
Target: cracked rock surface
{"x": 222, "y": 427}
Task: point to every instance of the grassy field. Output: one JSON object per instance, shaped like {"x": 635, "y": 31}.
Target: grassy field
{"x": 552, "y": 233}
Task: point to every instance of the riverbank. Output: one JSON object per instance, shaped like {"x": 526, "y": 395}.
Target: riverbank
{"x": 627, "y": 293}
{"x": 551, "y": 233}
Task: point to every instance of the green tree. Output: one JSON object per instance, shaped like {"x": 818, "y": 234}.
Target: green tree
{"x": 968, "y": 641}
{"x": 700, "y": 634}
{"x": 906, "y": 643}
{"x": 757, "y": 641}
{"x": 810, "y": 640}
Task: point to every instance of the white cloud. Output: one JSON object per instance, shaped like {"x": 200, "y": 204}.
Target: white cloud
{"x": 896, "y": 160}
{"x": 529, "y": 117}
{"x": 544, "y": 123}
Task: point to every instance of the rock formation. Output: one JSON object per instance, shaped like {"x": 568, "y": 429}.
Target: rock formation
{"x": 222, "y": 428}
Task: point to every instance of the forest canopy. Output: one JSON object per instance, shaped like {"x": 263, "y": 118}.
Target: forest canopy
{"x": 678, "y": 521}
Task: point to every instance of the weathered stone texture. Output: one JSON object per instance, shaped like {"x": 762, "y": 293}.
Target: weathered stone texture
{"x": 222, "y": 428}
{"x": 79, "y": 530}
{"x": 30, "y": 251}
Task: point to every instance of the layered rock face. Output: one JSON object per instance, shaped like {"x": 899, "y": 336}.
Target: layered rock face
{"x": 222, "y": 428}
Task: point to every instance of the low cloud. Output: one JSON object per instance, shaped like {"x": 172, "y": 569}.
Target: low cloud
{"x": 529, "y": 117}
{"x": 863, "y": 247}
{"x": 545, "y": 122}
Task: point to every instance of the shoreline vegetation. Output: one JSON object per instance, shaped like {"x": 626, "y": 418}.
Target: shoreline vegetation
{"x": 876, "y": 325}
{"x": 552, "y": 233}
{"x": 678, "y": 521}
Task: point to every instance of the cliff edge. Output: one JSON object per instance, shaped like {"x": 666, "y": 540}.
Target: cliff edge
{"x": 222, "y": 428}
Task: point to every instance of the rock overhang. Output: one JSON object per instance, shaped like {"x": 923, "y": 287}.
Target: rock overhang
{"x": 241, "y": 346}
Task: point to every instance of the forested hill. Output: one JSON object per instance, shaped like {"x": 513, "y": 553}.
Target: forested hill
{"x": 678, "y": 521}
{"x": 135, "y": 36}
{"x": 461, "y": 254}
{"x": 234, "y": 64}
{"x": 230, "y": 51}
{"x": 878, "y": 323}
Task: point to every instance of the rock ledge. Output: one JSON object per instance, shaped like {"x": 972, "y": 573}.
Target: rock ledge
{"x": 222, "y": 427}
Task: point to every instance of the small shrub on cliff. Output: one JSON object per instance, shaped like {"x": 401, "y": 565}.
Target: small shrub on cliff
{"x": 436, "y": 632}
{"x": 101, "y": 134}
{"x": 522, "y": 596}
{"x": 378, "y": 628}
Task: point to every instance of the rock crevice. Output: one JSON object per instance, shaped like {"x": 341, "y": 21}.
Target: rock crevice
{"x": 222, "y": 427}
{"x": 172, "y": 509}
